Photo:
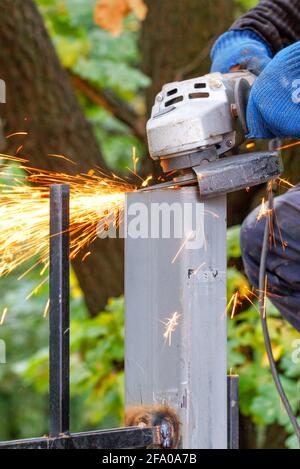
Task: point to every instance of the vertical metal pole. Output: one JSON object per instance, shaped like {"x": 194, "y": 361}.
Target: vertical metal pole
{"x": 59, "y": 310}
{"x": 188, "y": 371}
{"x": 233, "y": 411}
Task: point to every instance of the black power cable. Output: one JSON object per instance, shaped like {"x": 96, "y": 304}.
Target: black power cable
{"x": 268, "y": 345}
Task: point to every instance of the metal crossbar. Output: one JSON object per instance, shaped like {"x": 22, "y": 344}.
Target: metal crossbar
{"x": 120, "y": 438}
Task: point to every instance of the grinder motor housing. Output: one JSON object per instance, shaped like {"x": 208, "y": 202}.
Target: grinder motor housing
{"x": 196, "y": 123}
{"x": 195, "y": 115}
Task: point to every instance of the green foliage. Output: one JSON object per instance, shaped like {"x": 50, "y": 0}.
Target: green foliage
{"x": 93, "y": 53}
{"x": 233, "y": 243}
{"x": 105, "y": 62}
{"x": 247, "y": 356}
{"x": 97, "y": 378}
{"x": 247, "y": 4}
{"x": 24, "y": 332}
{"x": 116, "y": 143}
{"x": 244, "y": 5}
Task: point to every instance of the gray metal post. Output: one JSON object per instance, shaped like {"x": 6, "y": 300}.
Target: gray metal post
{"x": 188, "y": 369}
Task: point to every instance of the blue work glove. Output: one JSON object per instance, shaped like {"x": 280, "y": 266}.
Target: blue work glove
{"x": 274, "y": 103}
{"x": 240, "y": 48}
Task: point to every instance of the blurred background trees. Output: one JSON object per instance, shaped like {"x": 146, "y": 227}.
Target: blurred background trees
{"x": 83, "y": 91}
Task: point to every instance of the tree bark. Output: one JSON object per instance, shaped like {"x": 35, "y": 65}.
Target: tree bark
{"x": 41, "y": 101}
{"x": 177, "y": 36}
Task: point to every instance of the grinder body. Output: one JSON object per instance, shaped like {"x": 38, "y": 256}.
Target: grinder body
{"x": 197, "y": 115}
{"x": 196, "y": 127}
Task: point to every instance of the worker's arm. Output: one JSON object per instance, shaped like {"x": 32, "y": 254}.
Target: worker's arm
{"x": 257, "y": 36}
{"x": 274, "y": 103}
{"x": 276, "y": 22}
{"x": 253, "y": 43}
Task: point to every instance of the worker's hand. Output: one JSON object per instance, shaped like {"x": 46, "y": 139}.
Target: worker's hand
{"x": 240, "y": 50}
{"x": 274, "y": 103}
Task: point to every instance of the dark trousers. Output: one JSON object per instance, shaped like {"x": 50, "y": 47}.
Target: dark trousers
{"x": 283, "y": 264}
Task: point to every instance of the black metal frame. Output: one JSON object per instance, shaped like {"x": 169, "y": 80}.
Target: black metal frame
{"x": 120, "y": 438}
{"x": 59, "y": 353}
{"x": 233, "y": 412}
{"x": 59, "y": 313}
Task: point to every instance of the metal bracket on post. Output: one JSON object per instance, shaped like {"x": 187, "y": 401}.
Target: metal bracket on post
{"x": 234, "y": 173}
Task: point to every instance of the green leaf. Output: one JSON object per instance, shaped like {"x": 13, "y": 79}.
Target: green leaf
{"x": 233, "y": 242}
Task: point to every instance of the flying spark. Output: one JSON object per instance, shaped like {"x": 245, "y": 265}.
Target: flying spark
{"x": 86, "y": 256}
{"x": 19, "y": 149}
{"x": 264, "y": 211}
{"x": 285, "y": 183}
{"x": 272, "y": 216}
{"x": 235, "y": 302}
{"x": 135, "y": 159}
{"x": 16, "y": 134}
{"x": 96, "y": 201}
{"x": 265, "y": 298}
{"x": 62, "y": 157}
{"x": 171, "y": 325}
{"x": 146, "y": 182}
{"x": 46, "y": 310}
{"x": 285, "y": 147}
{"x": 199, "y": 268}
{"x": 250, "y": 145}
{"x": 187, "y": 239}
{"x": 3, "y": 316}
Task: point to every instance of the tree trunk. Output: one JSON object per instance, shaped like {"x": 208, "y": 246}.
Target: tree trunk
{"x": 177, "y": 36}
{"x": 41, "y": 101}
